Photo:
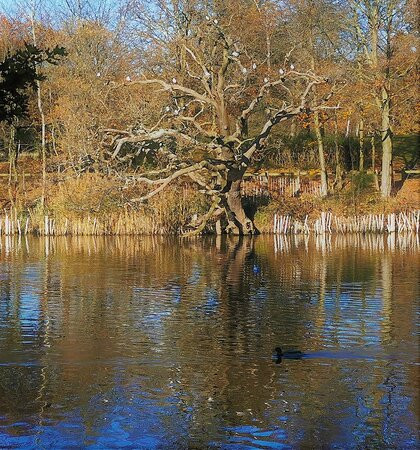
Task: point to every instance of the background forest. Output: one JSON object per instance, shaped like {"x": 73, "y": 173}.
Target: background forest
{"x": 159, "y": 109}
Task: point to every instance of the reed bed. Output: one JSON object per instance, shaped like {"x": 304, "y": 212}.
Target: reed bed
{"x": 136, "y": 223}
{"x": 127, "y": 223}
{"x": 328, "y": 223}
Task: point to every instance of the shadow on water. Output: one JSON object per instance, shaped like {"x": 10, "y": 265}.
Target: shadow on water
{"x": 159, "y": 342}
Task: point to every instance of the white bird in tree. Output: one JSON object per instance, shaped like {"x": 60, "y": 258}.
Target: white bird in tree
{"x": 98, "y": 74}
{"x": 207, "y": 18}
{"x": 215, "y": 21}
{"x": 292, "y": 66}
{"x": 281, "y": 71}
{"x": 266, "y": 80}
{"x": 167, "y": 109}
{"x": 127, "y": 78}
{"x": 244, "y": 70}
{"x": 254, "y": 66}
{"x": 235, "y": 54}
{"x": 206, "y": 74}
{"x": 174, "y": 80}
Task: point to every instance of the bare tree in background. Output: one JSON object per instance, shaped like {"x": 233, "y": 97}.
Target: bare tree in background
{"x": 376, "y": 25}
{"x": 35, "y": 6}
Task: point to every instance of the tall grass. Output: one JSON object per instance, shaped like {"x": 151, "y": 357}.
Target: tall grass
{"x": 92, "y": 206}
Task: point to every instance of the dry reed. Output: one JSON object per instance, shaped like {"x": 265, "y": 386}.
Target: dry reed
{"x": 125, "y": 223}
{"x": 370, "y": 223}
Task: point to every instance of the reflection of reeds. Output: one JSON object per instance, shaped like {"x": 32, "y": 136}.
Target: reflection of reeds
{"x": 371, "y": 242}
{"x": 159, "y": 247}
{"x": 371, "y": 223}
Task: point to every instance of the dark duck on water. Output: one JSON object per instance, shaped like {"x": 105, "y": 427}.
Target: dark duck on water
{"x": 289, "y": 354}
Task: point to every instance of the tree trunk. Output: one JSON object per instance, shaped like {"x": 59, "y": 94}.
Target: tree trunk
{"x": 42, "y": 115}
{"x": 12, "y": 166}
{"x": 238, "y": 221}
{"x": 386, "y": 135}
{"x": 324, "y": 179}
{"x": 361, "y": 144}
{"x": 373, "y": 147}
{"x": 43, "y": 142}
{"x": 338, "y": 166}
{"x": 292, "y": 132}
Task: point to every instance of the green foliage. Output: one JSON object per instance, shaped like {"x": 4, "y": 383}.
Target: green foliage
{"x": 290, "y": 151}
{"x": 300, "y": 151}
{"x": 362, "y": 183}
{"x": 407, "y": 148}
{"x": 18, "y": 73}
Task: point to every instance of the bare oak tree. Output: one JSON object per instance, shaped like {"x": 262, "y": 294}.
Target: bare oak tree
{"x": 222, "y": 102}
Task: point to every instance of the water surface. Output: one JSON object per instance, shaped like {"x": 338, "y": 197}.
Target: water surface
{"x": 165, "y": 343}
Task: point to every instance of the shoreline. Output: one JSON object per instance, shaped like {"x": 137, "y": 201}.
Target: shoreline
{"x": 132, "y": 224}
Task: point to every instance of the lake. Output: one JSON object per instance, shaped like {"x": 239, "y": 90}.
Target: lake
{"x": 154, "y": 342}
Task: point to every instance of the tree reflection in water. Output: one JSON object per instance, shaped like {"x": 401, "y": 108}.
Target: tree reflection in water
{"x": 161, "y": 342}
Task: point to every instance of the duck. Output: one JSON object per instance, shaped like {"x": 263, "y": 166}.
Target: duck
{"x": 290, "y": 354}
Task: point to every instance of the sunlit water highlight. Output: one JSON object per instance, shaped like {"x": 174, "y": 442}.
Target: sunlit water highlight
{"x": 167, "y": 343}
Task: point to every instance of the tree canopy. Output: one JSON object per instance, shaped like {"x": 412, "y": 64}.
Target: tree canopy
{"x": 18, "y": 73}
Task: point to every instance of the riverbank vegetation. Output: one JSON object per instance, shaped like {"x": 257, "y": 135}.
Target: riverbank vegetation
{"x": 147, "y": 117}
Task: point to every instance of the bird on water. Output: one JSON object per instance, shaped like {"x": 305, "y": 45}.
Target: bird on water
{"x": 289, "y": 354}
